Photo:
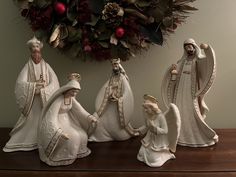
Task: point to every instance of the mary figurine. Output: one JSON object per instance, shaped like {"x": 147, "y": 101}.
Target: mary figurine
{"x": 62, "y": 136}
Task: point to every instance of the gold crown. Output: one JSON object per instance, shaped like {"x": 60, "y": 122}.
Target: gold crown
{"x": 150, "y": 98}
{"x": 115, "y": 60}
{"x": 74, "y": 76}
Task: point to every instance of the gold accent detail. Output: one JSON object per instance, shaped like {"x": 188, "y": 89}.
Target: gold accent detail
{"x": 74, "y": 76}
{"x": 186, "y": 72}
{"x": 115, "y": 60}
{"x": 150, "y": 98}
{"x": 67, "y": 101}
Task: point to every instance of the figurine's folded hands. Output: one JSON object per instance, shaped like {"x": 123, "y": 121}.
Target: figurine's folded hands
{"x": 40, "y": 84}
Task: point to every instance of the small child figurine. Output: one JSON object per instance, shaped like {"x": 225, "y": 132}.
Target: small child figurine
{"x": 162, "y": 133}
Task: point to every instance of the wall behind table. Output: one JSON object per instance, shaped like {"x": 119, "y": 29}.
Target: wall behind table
{"x": 214, "y": 24}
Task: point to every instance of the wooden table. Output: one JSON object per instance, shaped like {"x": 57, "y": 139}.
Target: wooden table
{"x": 117, "y": 159}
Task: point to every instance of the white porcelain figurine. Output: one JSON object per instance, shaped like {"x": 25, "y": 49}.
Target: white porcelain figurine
{"x": 62, "y": 136}
{"x": 195, "y": 73}
{"x": 35, "y": 84}
{"x": 114, "y": 107}
{"x": 160, "y": 141}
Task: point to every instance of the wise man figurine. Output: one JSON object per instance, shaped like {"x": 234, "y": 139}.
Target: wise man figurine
{"x": 114, "y": 106}
{"x": 35, "y": 84}
{"x": 159, "y": 143}
{"x": 195, "y": 73}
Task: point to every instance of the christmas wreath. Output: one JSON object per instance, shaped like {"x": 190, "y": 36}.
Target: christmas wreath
{"x": 103, "y": 29}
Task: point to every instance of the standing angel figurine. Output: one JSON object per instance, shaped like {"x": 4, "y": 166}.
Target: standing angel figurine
{"x": 185, "y": 85}
{"x": 162, "y": 133}
{"x": 62, "y": 136}
{"x": 35, "y": 84}
{"x": 114, "y": 106}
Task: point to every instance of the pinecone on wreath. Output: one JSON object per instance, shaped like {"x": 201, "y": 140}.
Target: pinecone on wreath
{"x": 112, "y": 14}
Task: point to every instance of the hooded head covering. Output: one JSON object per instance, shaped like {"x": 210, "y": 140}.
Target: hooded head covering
{"x": 191, "y": 41}
{"x": 74, "y": 79}
{"x": 122, "y": 70}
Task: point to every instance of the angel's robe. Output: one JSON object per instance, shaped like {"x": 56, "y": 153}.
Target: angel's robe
{"x": 194, "y": 79}
{"x": 24, "y": 134}
{"x": 156, "y": 139}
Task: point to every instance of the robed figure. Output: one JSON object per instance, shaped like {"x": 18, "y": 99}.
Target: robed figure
{"x": 114, "y": 106}
{"x": 159, "y": 143}
{"x": 62, "y": 133}
{"x": 186, "y": 85}
{"x": 35, "y": 84}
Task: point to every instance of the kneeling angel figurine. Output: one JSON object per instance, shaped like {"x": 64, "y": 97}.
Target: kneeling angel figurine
{"x": 163, "y": 129}
{"x": 62, "y": 136}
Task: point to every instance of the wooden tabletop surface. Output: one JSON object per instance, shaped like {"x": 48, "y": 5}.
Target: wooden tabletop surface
{"x": 121, "y": 157}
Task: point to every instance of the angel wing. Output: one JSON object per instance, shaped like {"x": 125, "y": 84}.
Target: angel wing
{"x": 206, "y": 71}
{"x": 172, "y": 116}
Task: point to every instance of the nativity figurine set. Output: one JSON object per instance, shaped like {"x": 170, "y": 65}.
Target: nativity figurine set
{"x": 54, "y": 122}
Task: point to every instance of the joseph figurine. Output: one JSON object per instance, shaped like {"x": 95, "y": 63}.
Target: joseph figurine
{"x": 186, "y": 84}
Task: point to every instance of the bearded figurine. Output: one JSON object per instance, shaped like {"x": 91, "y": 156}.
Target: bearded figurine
{"x": 34, "y": 86}
{"x": 186, "y": 84}
{"x": 160, "y": 141}
{"x": 114, "y": 107}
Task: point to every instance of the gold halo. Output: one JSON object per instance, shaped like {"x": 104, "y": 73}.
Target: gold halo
{"x": 150, "y": 98}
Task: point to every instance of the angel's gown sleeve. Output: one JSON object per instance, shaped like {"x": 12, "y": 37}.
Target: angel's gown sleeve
{"x": 162, "y": 128}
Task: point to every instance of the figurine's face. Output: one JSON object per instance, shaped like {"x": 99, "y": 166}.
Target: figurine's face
{"x": 149, "y": 107}
{"x": 190, "y": 49}
{"x": 35, "y": 53}
{"x": 35, "y": 47}
{"x": 72, "y": 92}
{"x": 115, "y": 67}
